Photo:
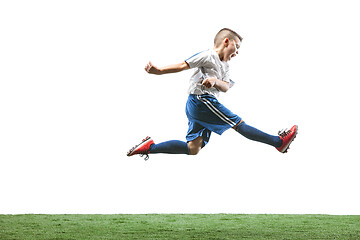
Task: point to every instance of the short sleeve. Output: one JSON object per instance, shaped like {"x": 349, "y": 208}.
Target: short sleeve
{"x": 198, "y": 60}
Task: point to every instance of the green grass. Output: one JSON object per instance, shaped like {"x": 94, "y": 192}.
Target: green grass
{"x": 179, "y": 226}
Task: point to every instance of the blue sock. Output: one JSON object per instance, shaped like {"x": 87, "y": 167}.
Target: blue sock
{"x": 257, "y": 135}
{"x": 171, "y": 147}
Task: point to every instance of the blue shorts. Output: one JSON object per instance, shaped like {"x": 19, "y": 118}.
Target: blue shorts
{"x": 206, "y": 114}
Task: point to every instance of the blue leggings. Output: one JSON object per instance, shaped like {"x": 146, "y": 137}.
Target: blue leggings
{"x": 170, "y": 147}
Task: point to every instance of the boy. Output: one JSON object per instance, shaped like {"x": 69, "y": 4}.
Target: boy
{"x": 204, "y": 112}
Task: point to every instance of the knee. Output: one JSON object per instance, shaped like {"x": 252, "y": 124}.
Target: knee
{"x": 194, "y": 150}
{"x": 238, "y": 124}
{"x": 195, "y": 146}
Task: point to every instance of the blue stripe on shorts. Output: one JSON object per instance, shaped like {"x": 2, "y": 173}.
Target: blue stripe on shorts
{"x": 206, "y": 114}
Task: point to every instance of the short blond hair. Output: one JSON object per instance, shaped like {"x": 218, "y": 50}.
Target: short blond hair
{"x": 225, "y": 33}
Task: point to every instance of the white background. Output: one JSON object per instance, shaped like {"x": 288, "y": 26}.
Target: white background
{"x": 74, "y": 98}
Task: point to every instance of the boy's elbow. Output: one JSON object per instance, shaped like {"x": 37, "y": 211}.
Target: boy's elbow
{"x": 227, "y": 87}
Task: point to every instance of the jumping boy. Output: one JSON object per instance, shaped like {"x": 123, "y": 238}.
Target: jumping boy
{"x": 205, "y": 113}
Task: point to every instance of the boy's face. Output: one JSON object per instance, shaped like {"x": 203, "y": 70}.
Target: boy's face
{"x": 231, "y": 48}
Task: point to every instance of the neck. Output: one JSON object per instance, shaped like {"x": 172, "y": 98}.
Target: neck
{"x": 220, "y": 52}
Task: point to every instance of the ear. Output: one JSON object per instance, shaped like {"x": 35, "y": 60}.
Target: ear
{"x": 226, "y": 41}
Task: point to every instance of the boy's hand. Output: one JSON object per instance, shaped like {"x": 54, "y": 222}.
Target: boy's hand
{"x": 209, "y": 82}
{"x": 150, "y": 68}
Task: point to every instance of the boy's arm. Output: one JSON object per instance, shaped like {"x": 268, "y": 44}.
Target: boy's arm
{"x": 216, "y": 83}
{"x": 150, "y": 68}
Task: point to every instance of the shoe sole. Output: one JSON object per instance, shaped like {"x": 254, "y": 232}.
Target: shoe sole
{"x": 131, "y": 151}
{"x": 288, "y": 146}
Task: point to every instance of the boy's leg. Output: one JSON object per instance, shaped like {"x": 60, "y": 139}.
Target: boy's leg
{"x": 257, "y": 135}
{"x": 197, "y": 138}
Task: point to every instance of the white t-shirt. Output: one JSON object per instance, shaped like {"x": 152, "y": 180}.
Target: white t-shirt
{"x": 207, "y": 64}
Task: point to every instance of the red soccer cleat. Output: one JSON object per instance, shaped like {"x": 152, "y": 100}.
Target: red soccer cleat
{"x": 287, "y": 136}
{"x": 142, "y": 148}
